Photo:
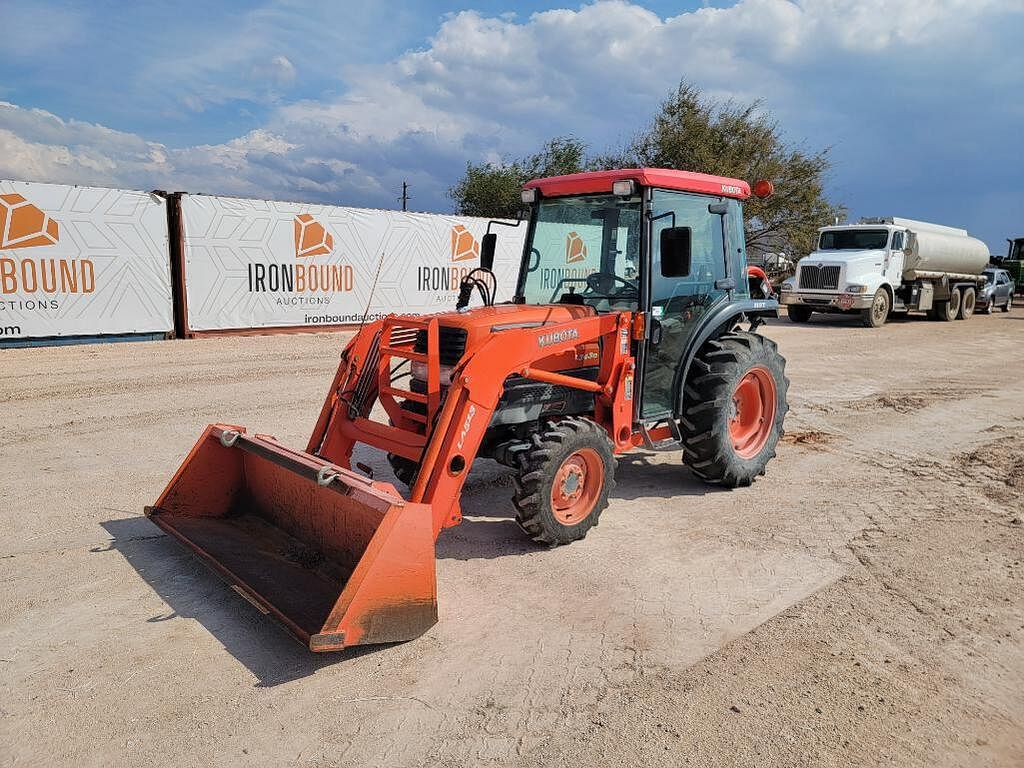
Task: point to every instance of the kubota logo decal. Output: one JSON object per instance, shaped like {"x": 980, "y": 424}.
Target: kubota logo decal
{"x": 575, "y": 248}
{"x": 311, "y": 239}
{"x": 22, "y": 225}
{"x": 464, "y": 246}
{"x": 556, "y": 337}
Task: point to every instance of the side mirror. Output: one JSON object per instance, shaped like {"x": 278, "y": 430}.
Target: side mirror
{"x": 675, "y": 251}
{"x": 487, "y": 246}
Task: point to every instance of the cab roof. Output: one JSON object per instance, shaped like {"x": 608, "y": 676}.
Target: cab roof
{"x": 594, "y": 182}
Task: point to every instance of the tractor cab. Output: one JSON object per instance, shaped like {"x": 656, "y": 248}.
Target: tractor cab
{"x": 667, "y": 245}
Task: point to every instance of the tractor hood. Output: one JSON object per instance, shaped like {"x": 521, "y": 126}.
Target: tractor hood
{"x": 462, "y": 333}
{"x": 501, "y": 317}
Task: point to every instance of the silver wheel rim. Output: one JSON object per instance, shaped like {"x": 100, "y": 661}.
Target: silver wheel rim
{"x": 878, "y": 310}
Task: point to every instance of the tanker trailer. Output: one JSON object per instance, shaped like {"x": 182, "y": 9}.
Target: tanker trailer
{"x": 883, "y": 265}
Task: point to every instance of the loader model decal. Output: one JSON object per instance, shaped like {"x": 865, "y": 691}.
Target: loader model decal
{"x": 23, "y": 225}
{"x": 464, "y": 248}
{"x": 304, "y": 277}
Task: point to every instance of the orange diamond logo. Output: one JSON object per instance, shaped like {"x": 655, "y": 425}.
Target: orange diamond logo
{"x": 575, "y": 248}
{"x": 22, "y": 225}
{"x": 464, "y": 245}
{"x": 311, "y": 239}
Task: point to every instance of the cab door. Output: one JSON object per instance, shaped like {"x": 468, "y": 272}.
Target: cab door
{"x": 681, "y": 294}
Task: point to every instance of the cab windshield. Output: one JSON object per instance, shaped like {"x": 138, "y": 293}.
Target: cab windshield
{"x": 585, "y": 250}
{"x": 854, "y": 240}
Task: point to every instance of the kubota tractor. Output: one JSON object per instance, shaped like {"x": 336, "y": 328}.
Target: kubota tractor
{"x": 625, "y": 330}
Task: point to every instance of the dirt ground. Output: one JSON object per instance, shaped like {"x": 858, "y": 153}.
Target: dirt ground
{"x": 861, "y": 604}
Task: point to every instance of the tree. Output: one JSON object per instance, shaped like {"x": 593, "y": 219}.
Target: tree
{"x": 492, "y": 190}
{"x": 694, "y": 133}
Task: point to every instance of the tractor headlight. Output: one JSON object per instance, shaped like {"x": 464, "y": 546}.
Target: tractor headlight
{"x": 787, "y": 285}
{"x": 854, "y": 288}
{"x": 624, "y": 188}
{"x": 418, "y": 370}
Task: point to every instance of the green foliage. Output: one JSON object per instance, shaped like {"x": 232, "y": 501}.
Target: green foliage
{"x": 491, "y": 190}
{"x": 694, "y": 133}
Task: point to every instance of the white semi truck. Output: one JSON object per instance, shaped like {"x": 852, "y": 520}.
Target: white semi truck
{"x": 884, "y": 265}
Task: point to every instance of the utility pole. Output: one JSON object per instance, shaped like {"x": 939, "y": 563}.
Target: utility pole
{"x": 405, "y": 195}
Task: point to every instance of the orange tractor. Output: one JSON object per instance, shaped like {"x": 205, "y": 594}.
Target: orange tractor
{"x": 625, "y": 331}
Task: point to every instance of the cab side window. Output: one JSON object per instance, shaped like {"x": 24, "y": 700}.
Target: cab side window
{"x": 897, "y": 241}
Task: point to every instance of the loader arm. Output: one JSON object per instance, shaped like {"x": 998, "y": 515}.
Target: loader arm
{"x": 449, "y": 449}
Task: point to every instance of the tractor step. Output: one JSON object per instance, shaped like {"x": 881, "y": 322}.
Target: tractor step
{"x": 661, "y": 435}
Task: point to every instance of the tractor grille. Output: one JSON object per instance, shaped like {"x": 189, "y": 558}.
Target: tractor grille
{"x": 815, "y": 278}
{"x": 451, "y": 343}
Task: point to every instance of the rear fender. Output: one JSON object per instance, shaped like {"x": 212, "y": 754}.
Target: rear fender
{"x": 715, "y": 324}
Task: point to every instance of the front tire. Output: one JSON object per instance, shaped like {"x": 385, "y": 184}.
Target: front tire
{"x": 798, "y": 313}
{"x": 734, "y": 405}
{"x": 1008, "y": 304}
{"x": 968, "y": 300}
{"x": 563, "y": 482}
{"x": 875, "y": 315}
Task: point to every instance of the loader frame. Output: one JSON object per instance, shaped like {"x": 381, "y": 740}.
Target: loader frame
{"x": 455, "y": 430}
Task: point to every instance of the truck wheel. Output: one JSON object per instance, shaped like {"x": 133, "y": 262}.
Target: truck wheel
{"x": 1008, "y": 304}
{"x": 967, "y": 302}
{"x": 799, "y": 313}
{"x": 875, "y": 315}
{"x": 734, "y": 405}
{"x": 405, "y": 469}
{"x": 563, "y": 482}
{"x": 948, "y": 310}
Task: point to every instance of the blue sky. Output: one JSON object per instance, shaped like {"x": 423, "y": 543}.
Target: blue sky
{"x": 922, "y": 101}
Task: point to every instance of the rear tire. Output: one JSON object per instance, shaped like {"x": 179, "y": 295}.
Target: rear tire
{"x": 876, "y": 315}
{"x": 734, "y": 405}
{"x": 799, "y": 313}
{"x": 563, "y": 482}
{"x": 1008, "y": 304}
{"x": 948, "y": 310}
{"x": 968, "y": 299}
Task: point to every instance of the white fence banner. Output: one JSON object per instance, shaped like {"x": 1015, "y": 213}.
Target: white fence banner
{"x": 263, "y": 264}
{"x": 82, "y": 261}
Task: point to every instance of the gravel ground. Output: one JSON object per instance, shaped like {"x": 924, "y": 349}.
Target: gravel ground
{"x": 859, "y": 605}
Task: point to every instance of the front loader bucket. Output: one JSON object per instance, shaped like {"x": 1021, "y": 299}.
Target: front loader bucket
{"x": 339, "y": 559}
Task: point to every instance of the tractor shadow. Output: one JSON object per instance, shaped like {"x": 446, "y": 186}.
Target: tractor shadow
{"x": 258, "y": 642}
{"x": 191, "y": 591}
{"x": 488, "y": 529}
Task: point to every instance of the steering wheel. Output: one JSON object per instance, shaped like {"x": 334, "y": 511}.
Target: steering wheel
{"x": 594, "y": 283}
{"x": 597, "y": 282}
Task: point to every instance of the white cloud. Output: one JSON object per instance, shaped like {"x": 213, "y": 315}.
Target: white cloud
{"x": 879, "y": 79}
